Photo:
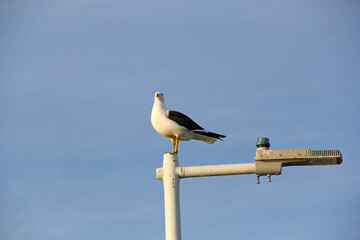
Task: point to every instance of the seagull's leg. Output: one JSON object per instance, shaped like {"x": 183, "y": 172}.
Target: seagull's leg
{"x": 177, "y": 144}
{"x": 173, "y": 145}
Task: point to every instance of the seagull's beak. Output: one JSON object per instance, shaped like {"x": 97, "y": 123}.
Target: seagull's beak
{"x": 156, "y": 94}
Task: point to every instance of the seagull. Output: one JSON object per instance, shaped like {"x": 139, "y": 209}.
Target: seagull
{"x": 177, "y": 126}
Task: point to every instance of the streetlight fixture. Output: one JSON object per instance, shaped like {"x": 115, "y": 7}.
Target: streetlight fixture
{"x": 267, "y": 162}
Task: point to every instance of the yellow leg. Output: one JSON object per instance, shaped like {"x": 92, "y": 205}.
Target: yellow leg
{"x": 173, "y": 145}
{"x": 177, "y": 144}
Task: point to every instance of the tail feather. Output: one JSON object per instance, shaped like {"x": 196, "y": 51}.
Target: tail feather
{"x": 208, "y": 137}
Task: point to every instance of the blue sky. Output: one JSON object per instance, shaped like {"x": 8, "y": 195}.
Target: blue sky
{"x": 77, "y": 150}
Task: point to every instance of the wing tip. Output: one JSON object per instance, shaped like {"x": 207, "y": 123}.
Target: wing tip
{"x": 211, "y": 134}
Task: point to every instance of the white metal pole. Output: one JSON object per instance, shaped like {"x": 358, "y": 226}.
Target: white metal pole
{"x": 171, "y": 197}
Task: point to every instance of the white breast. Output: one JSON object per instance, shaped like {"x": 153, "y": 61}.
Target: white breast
{"x": 165, "y": 126}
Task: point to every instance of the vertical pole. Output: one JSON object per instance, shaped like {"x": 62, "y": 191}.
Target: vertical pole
{"x": 171, "y": 197}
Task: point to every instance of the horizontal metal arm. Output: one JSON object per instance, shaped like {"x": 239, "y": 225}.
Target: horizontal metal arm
{"x": 211, "y": 170}
{"x": 216, "y": 170}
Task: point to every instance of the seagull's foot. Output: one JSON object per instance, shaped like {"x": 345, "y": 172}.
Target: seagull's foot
{"x": 171, "y": 152}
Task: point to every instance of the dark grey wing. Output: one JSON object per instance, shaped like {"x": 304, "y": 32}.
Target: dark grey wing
{"x": 183, "y": 120}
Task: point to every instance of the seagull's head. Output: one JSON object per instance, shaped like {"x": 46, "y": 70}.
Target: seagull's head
{"x": 159, "y": 96}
